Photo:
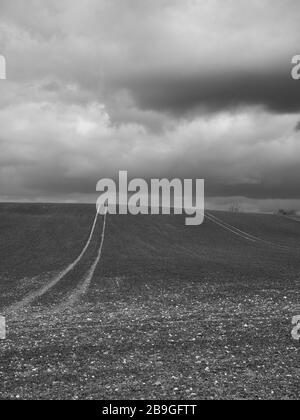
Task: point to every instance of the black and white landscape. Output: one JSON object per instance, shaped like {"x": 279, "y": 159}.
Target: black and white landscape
{"x": 123, "y": 307}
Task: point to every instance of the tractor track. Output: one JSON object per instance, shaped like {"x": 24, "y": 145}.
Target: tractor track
{"x": 247, "y": 236}
{"x": 48, "y": 288}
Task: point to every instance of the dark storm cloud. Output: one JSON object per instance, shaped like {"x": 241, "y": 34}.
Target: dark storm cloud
{"x": 177, "y": 88}
{"x": 273, "y": 89}
{"x": 168, "y": 55}
{"x": 283, "y": 189}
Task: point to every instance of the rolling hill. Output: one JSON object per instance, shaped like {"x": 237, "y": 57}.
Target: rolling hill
{"x": 154, "y": 309}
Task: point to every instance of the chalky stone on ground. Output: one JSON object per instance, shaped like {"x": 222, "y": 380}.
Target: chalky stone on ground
{"x": 168, "y": 311}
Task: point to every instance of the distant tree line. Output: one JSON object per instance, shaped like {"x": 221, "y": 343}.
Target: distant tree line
{"x": 284, "y": 212}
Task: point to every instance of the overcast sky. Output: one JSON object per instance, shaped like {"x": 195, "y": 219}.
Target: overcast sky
{"x": 175, "y": 88}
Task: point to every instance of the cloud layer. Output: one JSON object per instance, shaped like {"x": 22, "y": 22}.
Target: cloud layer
{"x": 163, "y": 88}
